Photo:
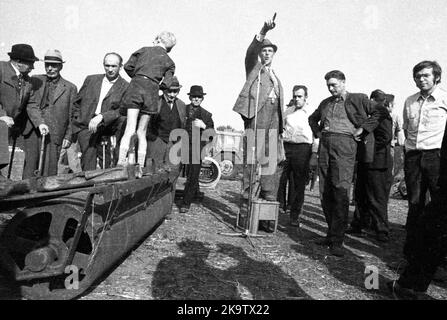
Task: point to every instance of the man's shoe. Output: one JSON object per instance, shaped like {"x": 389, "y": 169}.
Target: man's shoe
{"x": 295, "y": 223}
{"x": 355, "y": 232}
{"x": 323, "y": 242}
{"x": 337, "y": 250}
{"x": 269, "y": 197}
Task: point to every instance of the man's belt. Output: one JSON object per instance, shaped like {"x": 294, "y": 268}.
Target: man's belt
{"x": 145, "y": 77}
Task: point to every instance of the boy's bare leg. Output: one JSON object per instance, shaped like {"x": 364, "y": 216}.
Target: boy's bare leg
{"x": 142, "y": 142}
{"x": 131, "y": 125}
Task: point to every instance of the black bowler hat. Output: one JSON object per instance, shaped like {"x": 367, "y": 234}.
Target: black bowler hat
{"x": 23, "y": 52}
{"x": 268, "y": 43}
{"x": 196, "y": 91}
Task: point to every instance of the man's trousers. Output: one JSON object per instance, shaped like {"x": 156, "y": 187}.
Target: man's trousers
{"x": 372, "y": 191}
{"x": 421, "y": 174}
{"x": 298, "y": 157}
{"x": 336, "y": 162}
{"x": 266, "y": 119}
{"x": 429, "y": 248}
{"x": 32, "y": 143}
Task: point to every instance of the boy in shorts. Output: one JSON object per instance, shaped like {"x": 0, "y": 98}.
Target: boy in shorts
{"x": 151, "y": 70}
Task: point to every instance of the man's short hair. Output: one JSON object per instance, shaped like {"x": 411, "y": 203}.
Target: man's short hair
{"x": 298, "y": 87}
{"x": 337, "y": 74}
{"x": 167, "y": 38}
{"x": 378, "y": 95}
{"x": 389, "y": 98}
{"x": 115, "y": 54}
{"x": 437, "y": 71}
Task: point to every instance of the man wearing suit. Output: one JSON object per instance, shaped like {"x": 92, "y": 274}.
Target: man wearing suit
{"x": 15, "y": 92}
{"x": 171, "y": 115}
{"x": 340, "y": 121}
{"x": 260, "y": 106}
{"x": 55, "y": 110}
{"x": 96, "y": 111}
{"x": 373, "y": 183}
{"x": 197, "y": 121}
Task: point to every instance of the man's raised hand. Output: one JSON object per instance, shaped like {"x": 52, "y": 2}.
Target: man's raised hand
{"x": 269, "y": 25}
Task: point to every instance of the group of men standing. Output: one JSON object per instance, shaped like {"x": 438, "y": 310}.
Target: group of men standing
{"x": 351, "y": 133}
{"x": 48, "y": 110}
{"x": 346, "y": 131}
{"x": 48, "y": 107}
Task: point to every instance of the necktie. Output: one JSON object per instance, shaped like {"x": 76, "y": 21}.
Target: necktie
{"x": 20, "y": 80}
{"x": 275, "y": 81}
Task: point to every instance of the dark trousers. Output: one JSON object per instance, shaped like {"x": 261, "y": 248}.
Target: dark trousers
{"x": 421, "y": 175}
{"x": 372, "y": 189}
{"x": 4, "y": 149}
{"x": 266, "y": 119}
{"x": 91, "y": 148}
{"x": 286, "y": 194}
{"x": 157, "y": 152}
{"x": 192, "y": 183}
{"x": 32, "y": 144}
{"x": 298, "y": 157}
{"x": 336, "y": 167}
{"x": 429, "y": 248}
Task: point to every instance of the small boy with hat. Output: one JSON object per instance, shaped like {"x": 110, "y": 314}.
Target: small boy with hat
{"x": 197, "y": 118}
{"x": 151, "y": 69}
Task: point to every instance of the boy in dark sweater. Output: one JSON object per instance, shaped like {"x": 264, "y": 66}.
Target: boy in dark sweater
{"x": 151, "y": 69}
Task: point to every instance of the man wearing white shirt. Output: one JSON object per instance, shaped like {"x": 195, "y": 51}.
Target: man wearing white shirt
{"x": 300, "y": 146}
{"x": 96, "y": 111}
{"x": 424, "y": 119}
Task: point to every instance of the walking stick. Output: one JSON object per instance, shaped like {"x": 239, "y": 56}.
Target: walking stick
{"x": 11, "y": 159}
{"x": 39, "y": 171}
{"x": 104, "y": 143}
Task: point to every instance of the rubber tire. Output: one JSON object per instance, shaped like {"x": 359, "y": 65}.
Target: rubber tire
{"x": 236, "y": 168}
{"x": 211, "y": 184}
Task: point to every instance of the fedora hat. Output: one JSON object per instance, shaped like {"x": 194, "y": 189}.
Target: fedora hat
{"x": 23, "y": 52}
{"x": 196, "y": 91}
{"x": 53, "y": 56}
{"x": 268, "y": 43}
{"x": 175, "y": 84}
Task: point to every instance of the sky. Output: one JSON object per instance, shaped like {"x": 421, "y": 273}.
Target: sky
{"x": 375, "y": 43}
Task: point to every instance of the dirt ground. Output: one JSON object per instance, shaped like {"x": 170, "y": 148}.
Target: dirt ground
{"x": 192, "y": 256}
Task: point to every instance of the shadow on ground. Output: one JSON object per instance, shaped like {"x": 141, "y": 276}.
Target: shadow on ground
{"x": 232, "y": 275}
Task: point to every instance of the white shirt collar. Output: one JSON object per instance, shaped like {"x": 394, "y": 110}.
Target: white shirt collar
{"x": 105, "y": 79}
{"x": 436, "y": 94}
{"x": 15, "y": 69}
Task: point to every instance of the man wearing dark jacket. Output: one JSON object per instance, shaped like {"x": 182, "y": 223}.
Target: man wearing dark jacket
{"x": 340, "y": 121}
{"x": 96, "y": 112}
{"x": 373, "y": 184}
{"x": 55, "y": 110}
{"x": 15, "y": 93}
{"x": 197, "y": 121}
{"x": 171, "y": 115}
